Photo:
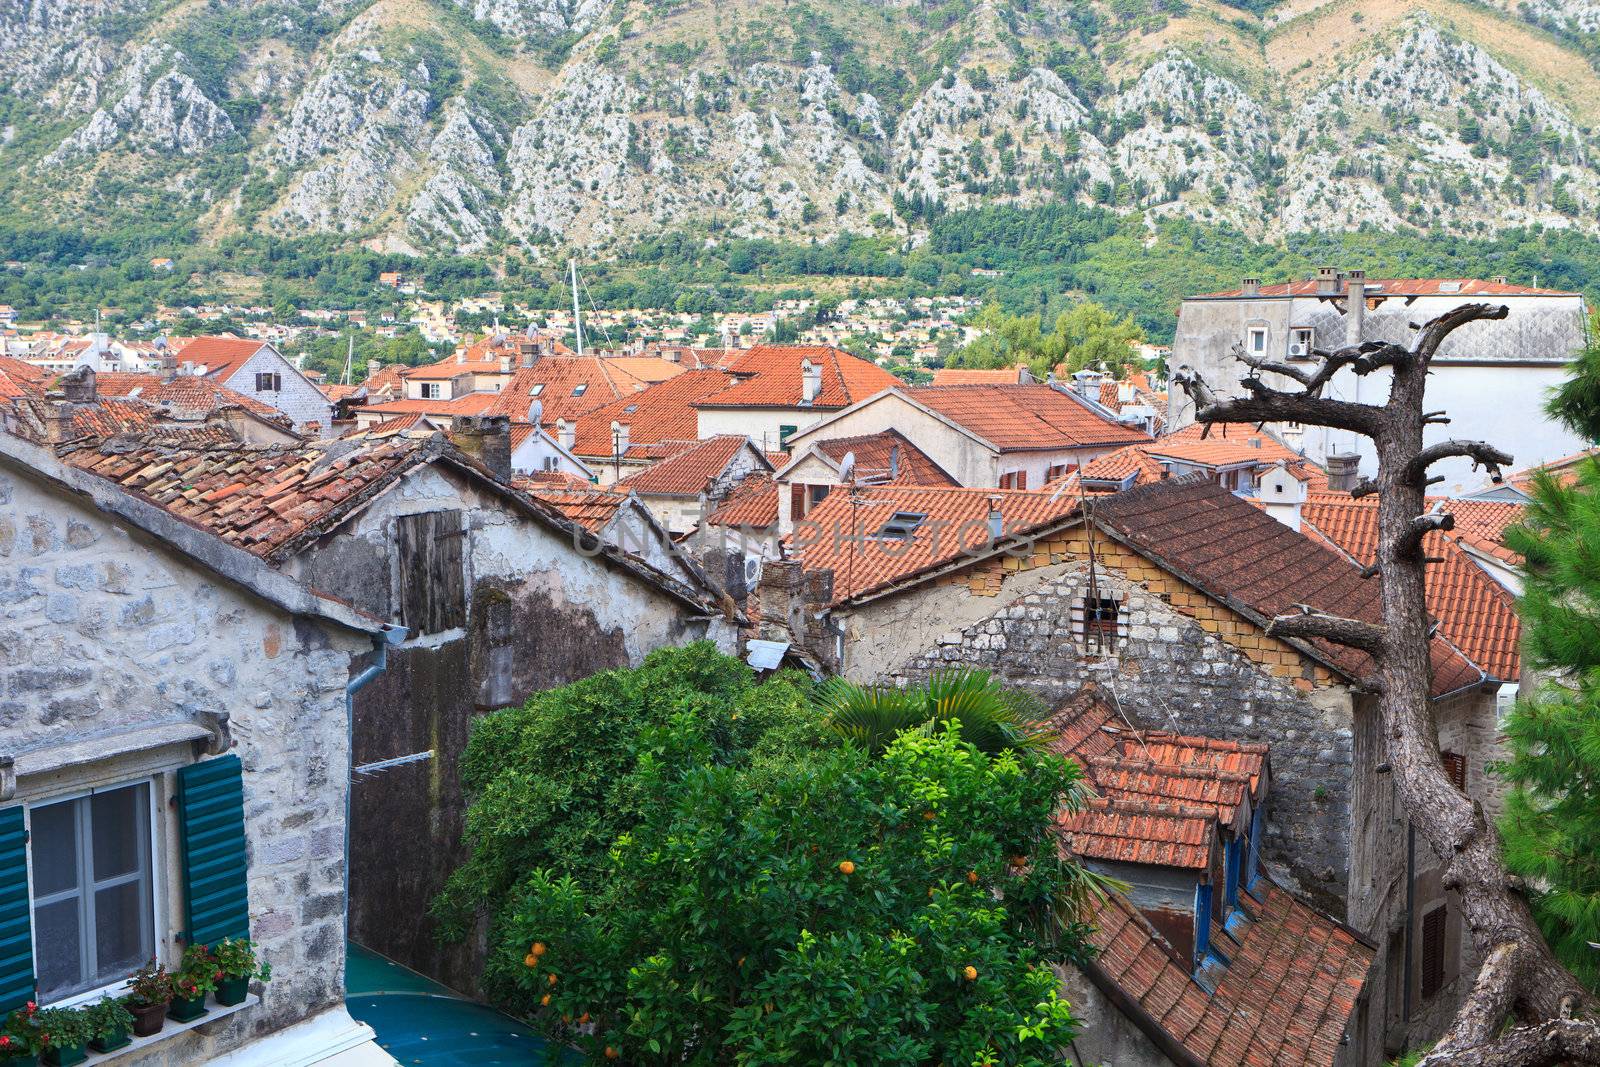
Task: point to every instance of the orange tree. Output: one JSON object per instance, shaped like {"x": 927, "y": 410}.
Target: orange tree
{"x": 898, "y": 908}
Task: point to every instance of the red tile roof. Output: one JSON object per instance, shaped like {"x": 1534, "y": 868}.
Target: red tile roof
{"x": 1111, "y": 467}
{"x": 970, "y": 376}
{"x": 471, "y": 404}
{"x": 1463, "y": 287}
{"x": 1125, "y": 830}
{"x": 1284, "y": 1000}
{"x": 589, "y": 506}
{"x": 840, "y": 532}
{"x": 565, "y": 386}
{"x": 1228, "y": 435}
{"x": 754, "y": 503}
{"x": 220, "y": 355}
{"x": 1018, "y": 418}
{"x": 1474, "y": 611}
{"x": 661, "y": 412}
{"x": 19, "y": 379}
{"x": 771, "y": 378}
{"x": 689, "y": 472}
{"x": 1199, "y": 531}
{"x": 876, "y": 452}
{"x": 1564, "y": 470}
{"x": 187, "y": 393}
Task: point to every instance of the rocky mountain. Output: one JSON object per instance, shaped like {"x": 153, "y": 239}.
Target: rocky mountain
{"x": 472, "y": 126}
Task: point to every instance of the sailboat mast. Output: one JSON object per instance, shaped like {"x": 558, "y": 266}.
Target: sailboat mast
{"x": 577, "y": 321}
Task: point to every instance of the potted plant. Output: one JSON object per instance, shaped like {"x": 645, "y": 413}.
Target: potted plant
{"x": 64, "y": 1035}
{"x": 197, "y": 976}
{"x": 150, "y": 991}
{"x": 110, "y": 1020}
{"x": 19, "y": 1037}
{"x": 236, "y": 959}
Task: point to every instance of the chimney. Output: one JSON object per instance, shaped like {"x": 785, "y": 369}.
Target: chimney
{"x": 997, "y": 522}
{"x": 1251, "y": 287}
{"x": 57, "y": 419}
{"x": 529, "y": 351}
{"x": 505, "y": 364}
{"x": 169, "y": 364}
{"x": 373, "y": 367}
{"x": 1355, "y": 307}
{"x": 894, "y": 463}
{"x": 810, "y": 381}
{"x": 1500, "y": 280}
{"x": 672, "y": 355}
{"x": 77, "y": 386}
{"x": 619, "y": 437}
{"x": 566, "y": 434}
{"x": 1327, "y": 281}
{"x": 1343, "y": 471}
{"x": 486, "y": 438}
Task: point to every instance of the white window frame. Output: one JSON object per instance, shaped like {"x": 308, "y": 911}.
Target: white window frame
{"x": 1256, "y": 339}
{"x": 161, "y": 929}
{"x": 432, "y": 391}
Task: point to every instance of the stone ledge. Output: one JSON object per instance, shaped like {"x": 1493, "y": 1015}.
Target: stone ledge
{"x": 173, "y": 1029}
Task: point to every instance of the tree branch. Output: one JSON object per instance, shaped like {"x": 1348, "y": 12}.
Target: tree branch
{"x": 1259, "y": 364}
{"x": 1271, "y": 405}
{"x": 1481, "y": 453}
{"x": 1547, "y": 1044}
{"x": 1410, "y": 542}
{"x": 1311, "y": 624}
{"x": 1437, "y": 329}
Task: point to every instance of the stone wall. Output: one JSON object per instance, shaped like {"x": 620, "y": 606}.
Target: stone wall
{"x": 103, "y": 630}
{"x": 298, "y": 399}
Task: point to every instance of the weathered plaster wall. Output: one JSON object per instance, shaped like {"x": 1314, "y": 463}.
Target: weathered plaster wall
{"x": 539, "y": 615}
{"x": 968, "y": 462}
{"x": 1108, "y": 1036}
{"x": 103, "y": 630}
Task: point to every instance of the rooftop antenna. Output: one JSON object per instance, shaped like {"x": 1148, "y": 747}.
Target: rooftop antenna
{"x": 577, "y": 321}
{"x": 847, "y": 468}
{"x": 349, "y": 358}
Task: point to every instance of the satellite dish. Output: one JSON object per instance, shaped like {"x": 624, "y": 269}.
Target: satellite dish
{"x": 847, "y": 467}
{"x": 535, "y": 411}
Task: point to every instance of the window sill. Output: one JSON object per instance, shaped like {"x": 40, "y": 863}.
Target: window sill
{"x": 173, "y": 1029}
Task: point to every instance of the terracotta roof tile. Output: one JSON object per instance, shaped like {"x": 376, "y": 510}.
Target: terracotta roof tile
{"x": 471, "y": 404}
{"x": 754, "y": 503}
{"x": 1026, "y": 417}
{"x": 1284, "y": 1000}
{"x": 220, "y": 355}
{"x": 689, "y": 472}
{"x": 565, "y": 386}
{"x": 188, "y": 394}
{"x": 1137, "y": 831}
{"x": 970, "y": 376}
{"x": 589, "y": 506}
{"x": 770, "y": 377}
{"x": 659, "y": 413}
{"x": 841, "y": 532}
{"x": 1474, "y": 611}
{"x": 875, "y": 453}
{"x": 1200, "y": 531}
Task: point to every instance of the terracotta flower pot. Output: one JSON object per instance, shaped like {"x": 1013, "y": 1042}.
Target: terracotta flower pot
{"x": 148, "y": 1018}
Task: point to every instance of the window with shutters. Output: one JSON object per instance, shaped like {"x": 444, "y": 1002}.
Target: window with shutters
{"x": 1433, "y": 928}
{"x": 432, "y": 593}
{"x": 269, "y": 382}
{"x": 1455, "y": 769}
{"x": 1014, "y": 480}
{"x": 92, "y": 889}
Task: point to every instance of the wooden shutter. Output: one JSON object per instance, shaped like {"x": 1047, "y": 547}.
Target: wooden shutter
{"x": 16, "y": 931}
{"x": 1433, "y": 951}
{"x": 211, "y": 818}
{"x": 1455, "y": 768}
{"x": 797, "y": 502}
{"x": 432, "y": 582}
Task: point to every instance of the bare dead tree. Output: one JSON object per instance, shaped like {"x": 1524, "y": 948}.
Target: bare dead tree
{"x": 1524, "y": 1009}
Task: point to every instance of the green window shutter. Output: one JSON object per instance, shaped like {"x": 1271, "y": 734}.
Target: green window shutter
{"x": 211, "y": 815}
{"x": 16, "y": 929}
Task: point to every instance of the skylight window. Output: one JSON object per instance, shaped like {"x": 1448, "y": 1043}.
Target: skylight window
{"x": 630, "y": 409}
{"x": 536, "y": 390}
{"x": 902, "y": 525}
{"x": 580, "y": 388}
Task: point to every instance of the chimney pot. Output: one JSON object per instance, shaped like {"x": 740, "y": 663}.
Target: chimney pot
{"x": 486, "y": 438}
{"x": 77, "y": 386}
{"x": 1343, "y": 471}
{"x": 566, "y": 434}
{"x": 1251, "y": 287}
{"x": 1327, "y": 280}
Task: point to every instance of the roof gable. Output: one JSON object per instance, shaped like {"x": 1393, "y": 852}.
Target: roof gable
{"x": 1016, "y": 418}
{"x": 771, "y": 378}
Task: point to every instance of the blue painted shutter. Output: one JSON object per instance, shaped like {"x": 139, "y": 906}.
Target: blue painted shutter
{"x": 1231, "y": 854}
{"x": 1202, "y": 922}
{"x": 16, "y": 930}
{"x": 211, "y": 815}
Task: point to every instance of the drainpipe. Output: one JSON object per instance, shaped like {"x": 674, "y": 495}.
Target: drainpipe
{"x": 391, "y": 635}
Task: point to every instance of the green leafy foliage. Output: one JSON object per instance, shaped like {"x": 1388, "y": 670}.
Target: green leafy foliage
{"x": 554, "y": 783}
{"x": 1551, "y": 824}
{"x": 849, "y": 909}
{"x": 1088, "y": 335}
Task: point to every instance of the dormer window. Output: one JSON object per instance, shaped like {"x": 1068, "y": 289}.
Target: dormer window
{"x": 902, "y": 526}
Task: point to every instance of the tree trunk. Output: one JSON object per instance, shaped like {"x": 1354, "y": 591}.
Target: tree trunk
{"x": 1520, "y": 980}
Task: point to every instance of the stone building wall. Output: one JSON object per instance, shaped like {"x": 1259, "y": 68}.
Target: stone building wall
{"x": 104, "y": 630}
{"x": 298, "y": 399}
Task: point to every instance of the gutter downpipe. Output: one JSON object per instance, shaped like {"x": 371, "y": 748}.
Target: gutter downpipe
{"x": 390, "y": 635}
